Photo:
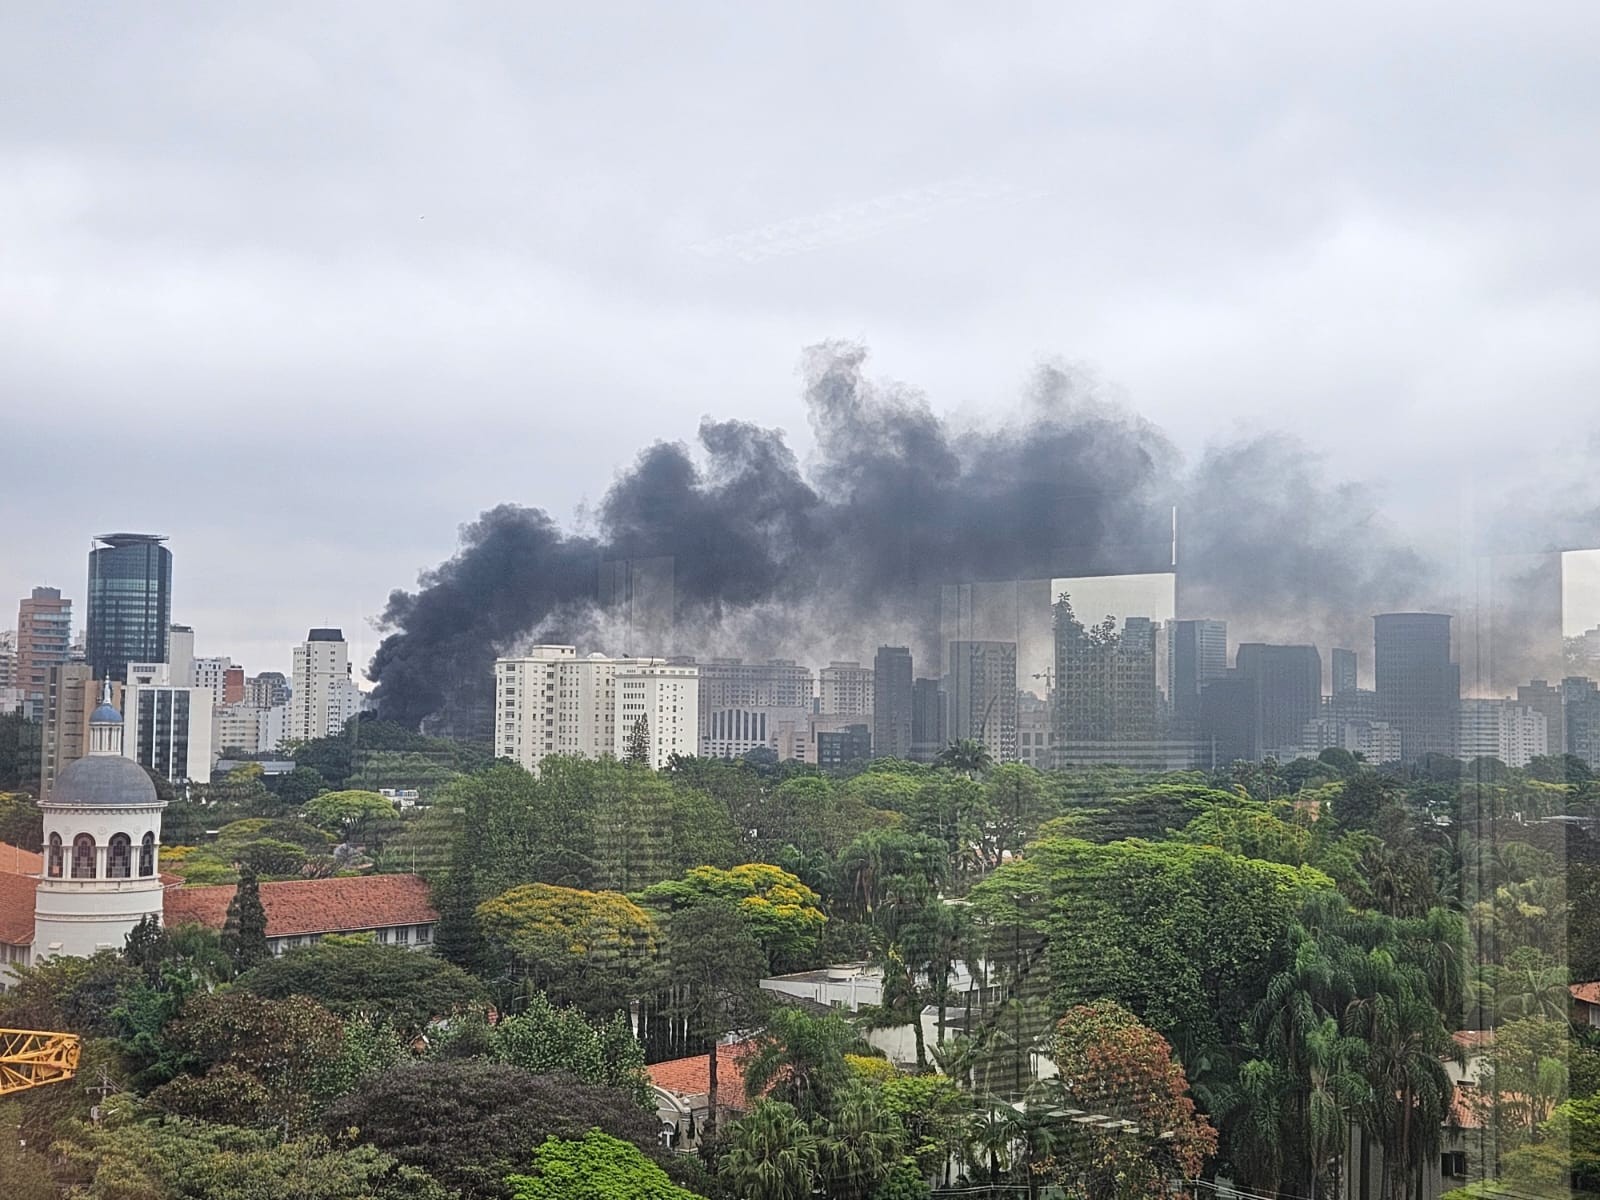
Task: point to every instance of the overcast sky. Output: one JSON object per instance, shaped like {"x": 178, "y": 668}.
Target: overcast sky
{"x": 307, "y": 286}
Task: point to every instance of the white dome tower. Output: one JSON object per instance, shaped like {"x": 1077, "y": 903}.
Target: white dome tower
{"x": 102, "y": 838}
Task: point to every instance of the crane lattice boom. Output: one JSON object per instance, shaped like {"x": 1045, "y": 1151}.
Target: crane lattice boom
{"x": 30, "y": 1058}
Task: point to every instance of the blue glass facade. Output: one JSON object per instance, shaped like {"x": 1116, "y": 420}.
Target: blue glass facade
{"x": 130, "y": 602}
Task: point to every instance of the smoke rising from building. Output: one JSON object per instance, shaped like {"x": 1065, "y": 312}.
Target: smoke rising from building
{"x": 833, "y": 558}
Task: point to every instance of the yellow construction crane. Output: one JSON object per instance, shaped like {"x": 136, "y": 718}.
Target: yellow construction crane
{"x": 31, "y": 1058}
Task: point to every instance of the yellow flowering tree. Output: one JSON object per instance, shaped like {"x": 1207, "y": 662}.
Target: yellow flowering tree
{"x": 784, "y": 914}
{"x": 591, "y": 949}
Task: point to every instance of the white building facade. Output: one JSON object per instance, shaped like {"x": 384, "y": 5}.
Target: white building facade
{"x": 324, "y": 695}
{"x": 550, "y": 701}
{"x": 845, "y": 689}
{"x": 169, "y": 730}
{"x": 1503, "y": 729}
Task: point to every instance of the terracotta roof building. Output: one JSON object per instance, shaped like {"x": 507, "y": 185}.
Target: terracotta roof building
{"x": 395, "y": 909}
{"x": 682, "y": 1091}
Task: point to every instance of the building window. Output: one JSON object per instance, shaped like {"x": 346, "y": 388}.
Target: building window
{"x": 147, "y": 855}
{"x": 83, "y": 857}
{"x": 119, "y": 857}
{"x": 402, "y": 935}
{"x": 56, "y": 856}
{"x": 424, "y": 934}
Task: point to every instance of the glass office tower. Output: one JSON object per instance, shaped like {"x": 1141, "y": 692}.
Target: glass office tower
{"x": 130, "y": 602}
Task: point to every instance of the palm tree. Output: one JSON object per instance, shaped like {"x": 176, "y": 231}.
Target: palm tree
{"x": 1410, "y": 1089}
{"x": 857, "y": 1145}
{"x": 1336, "y": 1093}
{"x": 1530, "y": 985}
{"x": 802, "y": 1058}
{"x": 992, "y": 1133}
{"x": 967, "y": 755}
{"x": 772, "y": 1155}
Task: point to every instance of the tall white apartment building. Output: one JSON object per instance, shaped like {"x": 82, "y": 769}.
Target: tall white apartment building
{"x": 550, "y": 701}
{"x": 1503, "y": 729}
{"x": 324, "y": 694}
{"x": 845, "y": 690}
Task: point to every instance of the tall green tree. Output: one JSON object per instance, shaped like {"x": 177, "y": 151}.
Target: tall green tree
{"x": 714, "y": 967}
{"x": 244, "y": 931}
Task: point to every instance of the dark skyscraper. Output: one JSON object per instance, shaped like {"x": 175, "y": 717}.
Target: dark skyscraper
{"x": 891, "y": 702}
{"x": 1262, "y": 705}
{"x": 1197, "y": 652}
{"x": 1344, "y": 670}
{"x": 130, "y": 602}
{"x": 1287, "y": 685}
{"x": 929, "y": 729}
{"x": 1419, "y": 688}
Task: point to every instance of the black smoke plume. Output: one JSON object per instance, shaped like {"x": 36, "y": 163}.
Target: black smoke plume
{"x": 773, "y": 559}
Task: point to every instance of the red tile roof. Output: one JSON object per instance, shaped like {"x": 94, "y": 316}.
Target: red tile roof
{"x": 296, "y": 907}
{"x": 692, "y": 1076}
{"x": 16, "y": 861}
{"x": 1586, "y": 993}
{"x": 1472, "y": 1039}
{"x": 16, "y": 908}
{"x": 1466, "y": 1105}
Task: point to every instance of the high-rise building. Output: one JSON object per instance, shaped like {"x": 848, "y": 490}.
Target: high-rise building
{"x": 266, "y": 690}
{"x": 1197, "y": 652}
{"x": 130, "y": 602}
{"x": 1105, "y": 684}
{"x": 844, "y": 689}
{"x": 1418, "y": 686}
{"x": 741, "y": 702}
{"x": 1344, "y": 670}
{"x": 1580, "y": 702}
{"x": 180, "y": 656}
{"x": 44, "y": 640}
{"x": 236, "y": 729}
{"x": 221, "y": 678}
{"x": 1545, "y": 698}
{"x": 71, "y": 696}
{"x": 169, "y": 730}
{"x": 1229, "y": 731}
{"x": 891, "y": 702}
{"x": 1287, "y": 693}
{"x": 325, "y": 695}
{"x": 1514, "y": 733}
{"x": 930, "y": 724}
{"x": 549, "y": 701}
{"x": 981, "y": 692}
{"x": 1373, "y": 741}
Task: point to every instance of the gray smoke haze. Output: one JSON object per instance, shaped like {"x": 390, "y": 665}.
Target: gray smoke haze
{"x": 833, "y": 558}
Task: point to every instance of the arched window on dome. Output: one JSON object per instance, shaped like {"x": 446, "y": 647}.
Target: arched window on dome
{"x": 83, "y": 857}
{"x": 147, "y": 855}
{"x": 119, "y": 857}
{"x": 56, "y": 857}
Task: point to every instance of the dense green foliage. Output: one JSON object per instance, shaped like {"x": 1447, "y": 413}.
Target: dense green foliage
{"x": 352, "y": 979}
{"x": 599, "y": 1167}
{"x": 1259, "y": 961}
